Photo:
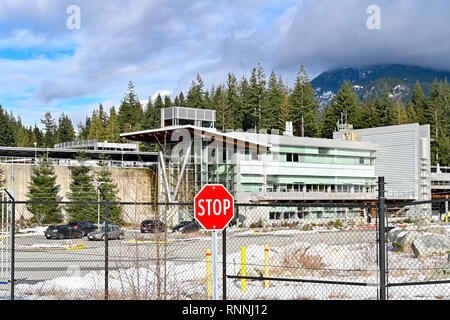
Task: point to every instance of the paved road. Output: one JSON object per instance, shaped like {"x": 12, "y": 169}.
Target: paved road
{"x": 39, "y": 264}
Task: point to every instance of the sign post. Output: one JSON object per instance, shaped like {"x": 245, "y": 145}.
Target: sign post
{"x": 214, "y": 209}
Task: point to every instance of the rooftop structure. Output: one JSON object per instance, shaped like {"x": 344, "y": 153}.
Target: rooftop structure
{"x": 179, "y": 116}
{"x": 68, "y": 157}
{"x": 96, "y": 145}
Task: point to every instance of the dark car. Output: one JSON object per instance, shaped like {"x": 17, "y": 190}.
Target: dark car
{"x": 84, "y": 226}
{"x": 187, "y": 226}
{"x": 179, "y": 226}
{"x": 63, "y": 232}
{"x": 153, "y": 226}
{"x": 114, "y": 232}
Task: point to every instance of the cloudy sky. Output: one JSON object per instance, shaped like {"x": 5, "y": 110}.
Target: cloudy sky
{"x": 54, "y": 59}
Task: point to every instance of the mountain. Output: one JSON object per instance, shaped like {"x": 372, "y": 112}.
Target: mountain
{"x": 369, "y": 81}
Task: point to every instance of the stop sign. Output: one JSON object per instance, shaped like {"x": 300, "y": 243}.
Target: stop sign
{"x": 214, "y": 207}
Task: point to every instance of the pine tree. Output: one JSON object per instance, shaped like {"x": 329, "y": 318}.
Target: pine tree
{"x": 272, "y": 104}
{"x": 130, "y": 111}
{"x": 345, "y": 102}
{"x": 246, "y": 106}
{"x": 97, "y": 131}
{"x": 386, "y": 108}
{"x": 38, "y": 137}
{"x": 435, "y": 115}
{"x": 284, "y": 114}
{"x": 82, "y": 189}
{"x": 110, "y": 189}
{"x": 112, "y": 130}
{"x": 65, "y": 132}
{"x": 167, "y": 102}
{"x": 196, "y": 94}
{"x": 84, "y": 128}
{"x": 400, "y": 116}
{"x": 420, "y": 103}
{"x": 234, "y": 103}
{"x": 223, "y": 111}
{"x": 7, "y": 138}
{"x": 304, "y": 106}
{"x": 43, "y": 188}
{"x": 50, "y": 128}
{"x": 370, "y": 117}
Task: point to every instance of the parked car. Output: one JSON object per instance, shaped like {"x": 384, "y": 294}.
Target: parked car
{"x": 187, "y": 226}
{"x": 114, "y": 232}
{"x": 153, "y": 226}
{"x": 179, "y": 226}
{"x": 63, "y": 232}
{"x": 84, "y": 226}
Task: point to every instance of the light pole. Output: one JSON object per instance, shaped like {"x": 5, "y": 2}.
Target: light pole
{"x": 98, "y": 200}
{"x": 35, "y": 152}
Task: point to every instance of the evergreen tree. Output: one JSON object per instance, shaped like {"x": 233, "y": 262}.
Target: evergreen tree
{"x": 272, "y": 104}
{"x": 419, "y": 102}
{"x": 112, "y": 130}
{"x": 167, "y": 102}
{"x": 65, "y": 132}
{"x": 284, "y": 114}
{"x": 7, "y": 138}
{"x": 43, "y": 188}
{"x": 82, "y": 189}
{"x": 435, "y": 114}
{"x": 386, "y": 108}
{"x": 84, "y": 129}
{"x": 196, "y": 95}
{"x": 234, "y": 103}
{"x": 370, "y": 118}
{"x": 304, "y": 106}
{"x": 110, "y": 189}
{"x": 345, "y": 102}
{"x": 50, "y": 128}
{"x": 130, "y": 111}
{"x": 246, "y": 106}
{"x": 97, "y": 131}
{"x": 223, "y": 112}
{"x": 400, "y": 115}
{"x": 181, "y": 100}
{"x": 38, "y": 137}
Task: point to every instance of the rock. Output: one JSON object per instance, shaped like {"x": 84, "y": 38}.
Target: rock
{"x": 395, "y": 233}
{"x": 404, "y": 240}
{"x": 430, "y": 244}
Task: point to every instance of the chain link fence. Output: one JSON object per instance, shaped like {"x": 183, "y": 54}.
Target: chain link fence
{"x": 269, "y": 251}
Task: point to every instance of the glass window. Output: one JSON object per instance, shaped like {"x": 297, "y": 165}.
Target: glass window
{"x": 289, "y": 157}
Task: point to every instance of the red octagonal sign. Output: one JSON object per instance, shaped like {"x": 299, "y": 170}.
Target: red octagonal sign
{"x": 214, "y": 207}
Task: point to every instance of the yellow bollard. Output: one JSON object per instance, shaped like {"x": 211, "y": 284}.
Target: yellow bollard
{"x": 208, "y": 274}
{"x": 266, "y": 265}
{"x": 243, "y": 270}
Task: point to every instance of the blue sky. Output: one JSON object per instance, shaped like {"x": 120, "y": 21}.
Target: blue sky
{"x": 161, "y": 45}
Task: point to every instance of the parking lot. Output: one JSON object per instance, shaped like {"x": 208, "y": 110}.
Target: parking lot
{"x": 39, "y": 259}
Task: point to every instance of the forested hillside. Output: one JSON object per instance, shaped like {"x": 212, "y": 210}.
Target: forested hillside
{"x": 256, "y": 101}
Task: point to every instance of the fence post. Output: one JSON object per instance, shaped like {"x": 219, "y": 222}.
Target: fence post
{"x": 13, "y": 243}
{"x": 106, "y": 243}
{"x": 382, "y": 238}
{"x": 224, "y": 264}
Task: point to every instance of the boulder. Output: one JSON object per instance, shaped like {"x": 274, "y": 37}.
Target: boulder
{"x": 430, "y": 244}
{"x": 404, "y": 240}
